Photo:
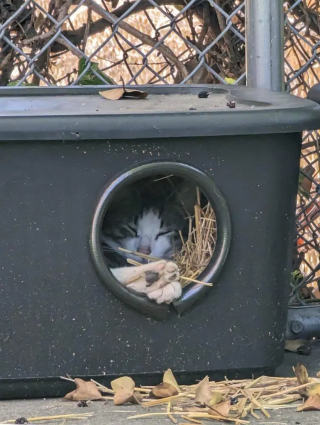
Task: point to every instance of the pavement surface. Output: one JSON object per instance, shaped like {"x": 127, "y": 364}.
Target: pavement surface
{"x": 107, "y": 414}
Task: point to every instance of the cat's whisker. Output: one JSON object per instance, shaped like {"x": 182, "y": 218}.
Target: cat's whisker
{"x": 139, "y": 254}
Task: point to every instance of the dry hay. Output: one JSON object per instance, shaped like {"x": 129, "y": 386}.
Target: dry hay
{"x": 198, "y": 249}
{"x": 233, "y": 401}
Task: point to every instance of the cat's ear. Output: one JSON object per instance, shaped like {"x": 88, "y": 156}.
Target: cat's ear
{"x": 185, "y": 195}
{"x": 125, "y": 198}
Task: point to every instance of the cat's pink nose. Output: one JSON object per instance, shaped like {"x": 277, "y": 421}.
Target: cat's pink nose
{"x": 144, "y": 250}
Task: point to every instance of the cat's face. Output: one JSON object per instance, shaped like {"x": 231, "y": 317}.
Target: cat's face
{"x": 151, "y": 232}
{"x": 149, "y": 223}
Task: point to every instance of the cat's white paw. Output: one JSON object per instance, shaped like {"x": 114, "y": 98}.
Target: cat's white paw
{"x": 167, "y": 272}
{"x": 158, "y": 280}
{"x": 172, "y": 291}
{"x": 167, "y": 288}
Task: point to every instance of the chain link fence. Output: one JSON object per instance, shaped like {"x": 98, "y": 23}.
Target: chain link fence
{"x": 302, "y": 54}
{"x": 97, "y": 42}
{"x": 85, "y": 42}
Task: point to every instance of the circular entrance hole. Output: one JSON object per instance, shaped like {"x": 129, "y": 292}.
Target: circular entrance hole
{"x": 160, "y": 211}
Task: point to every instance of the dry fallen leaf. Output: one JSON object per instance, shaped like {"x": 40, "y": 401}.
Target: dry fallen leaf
{"x": 313, "y": 403}
{"x": 169, "y": 378}
{"x": 122, "y": 397}
{"x": 124, "y": 391}
{"x": 84, "y": 391}
{"x": 203, "y": 393}
{"x": 117, "y": 94}
{"x": 216, "y": 398}
{"x": 138, "y": 397}
{"x": 164, "y": 390}
{"x": 315, "y": 389}
{"x": 301, "y": 374}
{"x": 222, "y": 408}
{"x": 123, "y": 383}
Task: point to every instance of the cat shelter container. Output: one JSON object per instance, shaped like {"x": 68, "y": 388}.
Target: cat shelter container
{"x": 65, "y": 153}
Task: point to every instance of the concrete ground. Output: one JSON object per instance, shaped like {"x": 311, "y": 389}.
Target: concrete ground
{"x": 107, "y": 414}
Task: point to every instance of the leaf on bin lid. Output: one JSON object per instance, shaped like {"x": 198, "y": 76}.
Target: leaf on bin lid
{"x": 301, "y": 374}
{"x": 169, "y": 378}
{"x": 113, "y": 94}
{"x": 222, "y": 408}
{"x": 84, "y": 391}
{"x": 312, "y": 403}
{"x": 203, "y": 392}
{"x": 164, "y": 390}
{"x": 117, "y": 94}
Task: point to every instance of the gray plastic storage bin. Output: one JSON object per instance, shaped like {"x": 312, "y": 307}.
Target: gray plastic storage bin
{"x": 64, "y": 153}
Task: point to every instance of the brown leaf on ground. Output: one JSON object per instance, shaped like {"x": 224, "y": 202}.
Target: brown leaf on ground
{"x": 122, "y": 397}
{"x": 216, "y": 398}
{"x": 222, "y": 408}
{"x": 301, "y": 374}
{"x": 124, "y": 391}
{"x": 169, "y": 378}
{"x": 315, "y": 389}
{"x": 203, "y": 392}
{"x": 164, "y": 390}
{"x": 312, "y": 403}
{"x": 138, "y": 397}
{"x": 84, "y": 391}
{"x": 123, "y": 383}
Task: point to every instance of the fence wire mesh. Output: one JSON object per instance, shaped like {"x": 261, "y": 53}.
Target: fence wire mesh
{"x": 302, "y": 40}
{"x": 84, "y": 42}
{"x": 97, "y": 42}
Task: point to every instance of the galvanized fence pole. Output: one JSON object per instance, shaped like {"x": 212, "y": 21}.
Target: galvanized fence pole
{"x": 264, "y": 44}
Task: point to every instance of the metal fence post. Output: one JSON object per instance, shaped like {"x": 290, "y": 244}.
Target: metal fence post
{"x": 264, "y": 44}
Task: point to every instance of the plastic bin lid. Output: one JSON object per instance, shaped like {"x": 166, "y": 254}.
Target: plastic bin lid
{"x": 55, "y": 113}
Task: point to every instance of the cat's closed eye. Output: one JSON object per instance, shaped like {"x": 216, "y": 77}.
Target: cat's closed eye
{"x": 132, "y": 230}
{"x": 167, "y": 233}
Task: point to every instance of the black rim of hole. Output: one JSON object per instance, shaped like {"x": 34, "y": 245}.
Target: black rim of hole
{"x": 193, "y": 292}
